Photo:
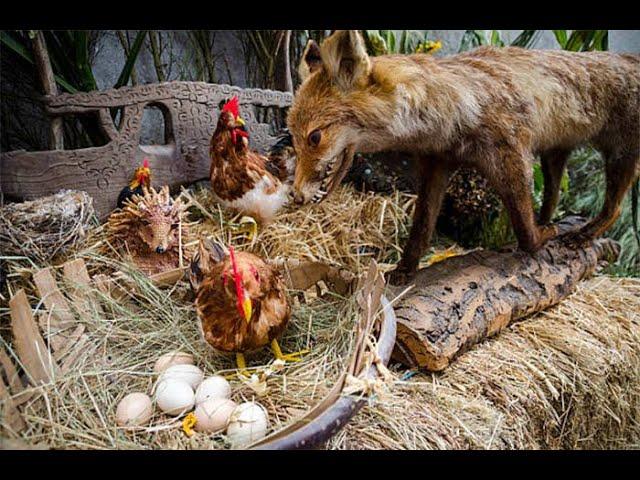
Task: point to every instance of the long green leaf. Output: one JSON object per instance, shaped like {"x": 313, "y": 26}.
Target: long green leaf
{"x": 526, "y": 39}
{"x": 123, "y": 79}
{"x": 22, "y": 51}
{"x": 561, "y": 37}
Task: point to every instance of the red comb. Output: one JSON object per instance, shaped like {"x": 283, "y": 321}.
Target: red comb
{"x": 233, "y": 107}
{"x": 236, "y": 277}
{"x": 145, "y": 163}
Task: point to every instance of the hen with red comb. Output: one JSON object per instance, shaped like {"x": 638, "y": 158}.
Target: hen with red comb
{"x": 241, "y": 301}
{"x": 240, "y": 177}
{"x": 141, "y": 179}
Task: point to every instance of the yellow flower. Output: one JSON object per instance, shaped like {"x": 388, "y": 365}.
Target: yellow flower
{"x": 188, "y": 423}
{"x": 429, "y": 46}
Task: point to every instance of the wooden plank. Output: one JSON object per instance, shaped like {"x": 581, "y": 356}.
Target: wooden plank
{"x": 55, "y": 336}
{"x": 11, "y": 373}
{"x": 16, "y": 387}
{"x": 30, "y": 347}
{"x": 9, "y": 413}
{"x": 53, "y": 299}
{"x": 79, "y": 286}
{"x": 78, "y": 348}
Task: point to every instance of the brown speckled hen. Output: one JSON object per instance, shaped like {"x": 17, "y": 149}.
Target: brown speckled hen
{"x": 241, "y": 301}
{"x": 240, "y": 179}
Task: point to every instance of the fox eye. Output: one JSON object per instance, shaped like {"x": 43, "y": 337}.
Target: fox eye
{"x": 314, "y": 138}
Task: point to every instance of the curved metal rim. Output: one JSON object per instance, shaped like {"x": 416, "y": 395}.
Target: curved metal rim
{"x": 319, "y": 430}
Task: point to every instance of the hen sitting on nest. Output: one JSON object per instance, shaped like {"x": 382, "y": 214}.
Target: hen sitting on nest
{"x": 152, "y": 228}
{"x": 241, "y": 301}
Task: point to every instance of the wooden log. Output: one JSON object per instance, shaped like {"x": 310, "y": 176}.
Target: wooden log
{"x": 460, "y": 301}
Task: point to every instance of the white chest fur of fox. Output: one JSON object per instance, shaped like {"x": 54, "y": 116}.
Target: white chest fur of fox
{"x": 257, "y": 202}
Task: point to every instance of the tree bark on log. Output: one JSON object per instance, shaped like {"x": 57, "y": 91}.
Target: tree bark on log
{"x": 460, "y": 301}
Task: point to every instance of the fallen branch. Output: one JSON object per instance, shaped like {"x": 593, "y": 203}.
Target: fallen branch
{"x": 461, "y": 301}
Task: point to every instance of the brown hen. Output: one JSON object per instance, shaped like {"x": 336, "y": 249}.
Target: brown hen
{"x": 240, "y": 179}
{"x": 241, "y": 301}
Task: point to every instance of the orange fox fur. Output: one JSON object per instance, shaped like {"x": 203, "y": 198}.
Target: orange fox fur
{"x": 493, "y": 109}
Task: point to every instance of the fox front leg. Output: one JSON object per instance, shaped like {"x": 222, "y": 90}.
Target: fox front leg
{"x": 435, "y": 176}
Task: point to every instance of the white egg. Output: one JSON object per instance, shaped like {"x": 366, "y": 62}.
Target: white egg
{"x": 213, "y": 415}
{"x": 213, "y": 387}
{"x": 133, "y": 410}
{"x": 172, "y": 358}
{"x": 174, "y": 397}
{"x": 186, "y": 373}
{"x": 247, "y": 424}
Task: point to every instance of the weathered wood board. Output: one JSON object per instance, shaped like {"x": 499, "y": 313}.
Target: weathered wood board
{"x": 190, "y": 112}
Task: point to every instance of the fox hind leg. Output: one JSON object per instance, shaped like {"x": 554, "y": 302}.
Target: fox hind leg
{"x": 620, "y": 174}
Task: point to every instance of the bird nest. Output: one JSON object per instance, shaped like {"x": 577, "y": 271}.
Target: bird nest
{"x": 46, "y": 227}
{"x": 565, "y": 378}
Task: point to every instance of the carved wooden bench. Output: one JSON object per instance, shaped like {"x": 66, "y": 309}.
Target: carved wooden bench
{"x": 190, "y": 112}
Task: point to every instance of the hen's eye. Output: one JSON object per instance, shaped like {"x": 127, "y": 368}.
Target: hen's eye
{"x": 314, "y": 138}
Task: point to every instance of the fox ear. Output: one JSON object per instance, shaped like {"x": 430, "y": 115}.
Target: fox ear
{"x": 345, "y": 58}
{"x": 311, "y": 60}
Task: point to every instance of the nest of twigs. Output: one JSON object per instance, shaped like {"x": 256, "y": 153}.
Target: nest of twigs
{"x": 43, "y": 228}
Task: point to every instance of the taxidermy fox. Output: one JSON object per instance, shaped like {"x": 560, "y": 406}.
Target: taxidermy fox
{"x": 493, "y": 109}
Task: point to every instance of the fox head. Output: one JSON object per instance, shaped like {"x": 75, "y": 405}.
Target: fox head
{"x": 329, "y": 112}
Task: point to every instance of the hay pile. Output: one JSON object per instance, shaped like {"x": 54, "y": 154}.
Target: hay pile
{"x": 567, "y": 378}
{"x": 347, "y": 229}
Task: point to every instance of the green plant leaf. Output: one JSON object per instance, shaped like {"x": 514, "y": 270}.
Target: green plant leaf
{"x": 23, "y": 52}
{"x": 526, "y": 39}
{"x": 125, "y": 74}
{"x": 561, "y": 37}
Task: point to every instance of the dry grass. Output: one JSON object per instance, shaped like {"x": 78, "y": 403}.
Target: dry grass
{"x": 566, "y": 378}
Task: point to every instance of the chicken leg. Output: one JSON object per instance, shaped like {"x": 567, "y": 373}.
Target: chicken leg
{"x": 290, "y": 357}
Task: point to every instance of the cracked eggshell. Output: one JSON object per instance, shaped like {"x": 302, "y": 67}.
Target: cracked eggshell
{"x": 134, "y": 410}
{"x": 248, "y": 423}
{"x": 213, "y": 387}
{"x": 186, "y": 373}
{"x": 213, "y": 415}
{"x": 174, "y": 397}
{"x": 172, "y": 358}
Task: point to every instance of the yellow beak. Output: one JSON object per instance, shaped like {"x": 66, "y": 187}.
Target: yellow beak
{"x": 247, "y": 309}
{"x": 240, "y": 121}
